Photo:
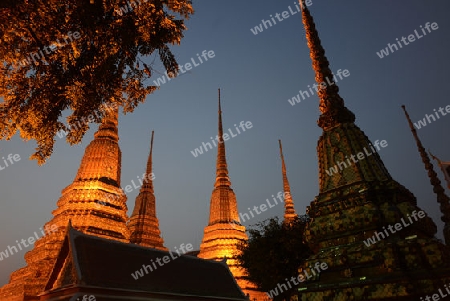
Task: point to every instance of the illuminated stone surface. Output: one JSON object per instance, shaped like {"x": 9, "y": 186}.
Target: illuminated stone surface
{"x": 94, "y": 203}
{"x": 144, "y": 225}
{"x": 355, "y": 203}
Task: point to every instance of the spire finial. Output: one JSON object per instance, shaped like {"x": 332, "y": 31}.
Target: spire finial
{"x": 442, "y": 198}
{"x": 331, "y": 104}
{"x": 148, "y": 182}
{"x": 108, "y": 127}
{"x": 221, "y": 165}
{"x": 289, "y": 211}
{"x": 220, "y": 109}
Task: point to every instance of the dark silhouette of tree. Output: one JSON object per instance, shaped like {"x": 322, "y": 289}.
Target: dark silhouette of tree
{"x": 273, "y": 253}
{"x": 81, "y": 55}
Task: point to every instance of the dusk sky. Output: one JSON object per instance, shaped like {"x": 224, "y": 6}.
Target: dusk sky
{"x": 258, "y": 74}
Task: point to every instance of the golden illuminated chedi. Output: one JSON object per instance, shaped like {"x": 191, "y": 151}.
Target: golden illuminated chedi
{"x": 224, "y": 231}
{"x": 143, "y": 224}
{"x": 94, "y": 203}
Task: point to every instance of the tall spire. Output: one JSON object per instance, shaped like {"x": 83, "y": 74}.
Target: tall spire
{"x": 357, "y": 201}
{"x": 442, "y": 198}
{"x": 289, "y": 211}
{"x": 331, "y": 104}
{"x": 143, "y": 224}
{"x": 222, "y": 178}
{"x": 224, "y": 232}
{"x": 148, "y": 181}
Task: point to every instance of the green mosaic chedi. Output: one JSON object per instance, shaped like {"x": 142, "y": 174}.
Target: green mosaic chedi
{"x": 357, "y": 202}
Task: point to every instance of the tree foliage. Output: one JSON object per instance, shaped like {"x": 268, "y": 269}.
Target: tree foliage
{"x": 274, "y": 252}
{"x": 80, "y": 55}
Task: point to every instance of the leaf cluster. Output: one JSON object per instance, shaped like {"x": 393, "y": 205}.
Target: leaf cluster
{"x": 79, "y": 55}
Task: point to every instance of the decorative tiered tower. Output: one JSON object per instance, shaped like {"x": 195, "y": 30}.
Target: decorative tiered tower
{"x": 289, "y": 211}
{"x": 144, "y": 225}
{"x": 442, "y": 198}
{"x": 224, "y": 231}
{"x": 94, "y": 203}
{"x": 359, "y": 202}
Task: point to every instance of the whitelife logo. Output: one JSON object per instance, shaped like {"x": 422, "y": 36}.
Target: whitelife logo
{"x": 430, "y": 118}
{"x": 11, "y": 158}
{"x": 225, "y": 137}
{"x": 284, "y": 15}
{"x": 411, "y": 38}
{"x": 398, "y": 226}
{"x": 162, "y": 79}
{"x": 321, "y": 86}
{"x": 360, "y": 155}
{"x": 297, "y": 280}
{"x": 11, "y": 250}
{"x": 166, "y": 259}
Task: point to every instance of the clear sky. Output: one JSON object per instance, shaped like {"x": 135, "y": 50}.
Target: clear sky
{"x": 257, "y": 75}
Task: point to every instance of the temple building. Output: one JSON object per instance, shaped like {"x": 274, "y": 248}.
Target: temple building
{"x": 97, "y": 250}
{"x": 355, "y": 208}
{"x": 84, "y": 268}
{"x": 94, "y": 203}
{"x": 94, "y": 251}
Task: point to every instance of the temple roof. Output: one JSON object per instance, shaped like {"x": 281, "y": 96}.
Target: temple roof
{"x": 103, "y": 268}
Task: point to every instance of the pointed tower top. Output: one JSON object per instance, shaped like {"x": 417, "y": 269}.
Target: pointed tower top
{"x": 442, "y": 198}
{"x": 289, "y": 211}
{"x": 103, "y": 149}
{"x": 331, "y": 104}
{"x": 148, "y": 182}
{"x": 222, "y": 178}
{"x": 108, "y": 127}
{"x": 143, "y": 224}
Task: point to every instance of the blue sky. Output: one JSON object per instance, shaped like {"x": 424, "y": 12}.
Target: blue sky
{"x": 257, "y": 75}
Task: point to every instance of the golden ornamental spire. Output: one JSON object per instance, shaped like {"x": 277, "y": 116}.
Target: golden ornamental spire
{"x": 109, "y": 126}
{"x": 331, "y": 104}
{"x": 222, "y": 178}
{"x": 224, "y": 232}
{"x": 442, "y": 198}
{"x": 289, "y": 211}
{"x": 143, "y": 224}
{"x": 148, "y": 182}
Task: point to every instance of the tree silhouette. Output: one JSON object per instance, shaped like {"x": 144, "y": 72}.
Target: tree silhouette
{"x": 273, "y": 253}
{"x": 81, "y": 55}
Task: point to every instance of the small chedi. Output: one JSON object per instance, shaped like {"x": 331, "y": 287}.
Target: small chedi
{"x": 224, "y": 231}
